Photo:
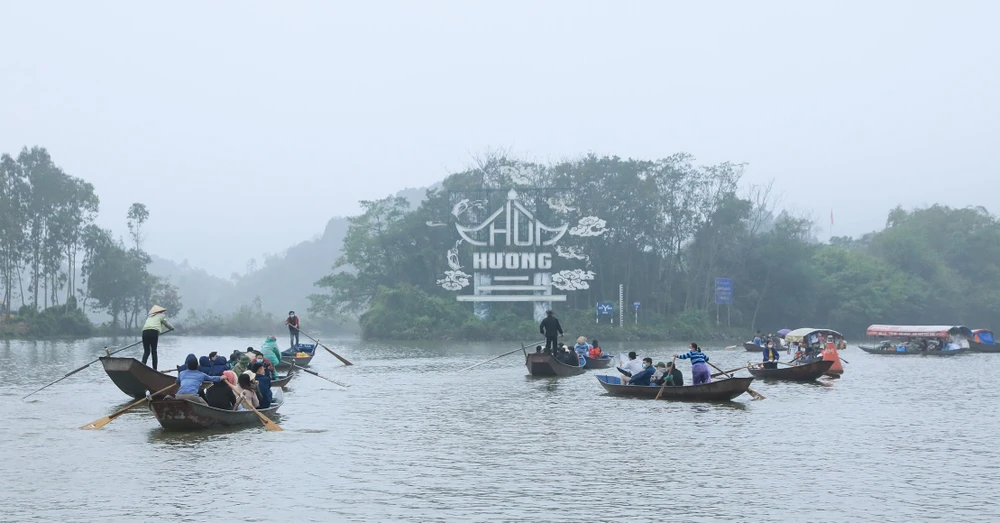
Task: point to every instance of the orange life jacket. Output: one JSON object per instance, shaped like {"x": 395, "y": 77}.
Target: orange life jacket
{"x": 595, "y": 353}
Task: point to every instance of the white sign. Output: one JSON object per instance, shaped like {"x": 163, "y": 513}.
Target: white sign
{"x": 513, "y": 254}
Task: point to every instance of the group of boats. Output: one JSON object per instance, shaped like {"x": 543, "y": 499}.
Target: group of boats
{"x": 136, "y": 379}
{"x": 929, "y": 340}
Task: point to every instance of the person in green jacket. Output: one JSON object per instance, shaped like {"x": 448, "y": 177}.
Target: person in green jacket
{"x": 242, "y": 365}
{"x": 271, "y": 351}
{"x": 155, "y": 325}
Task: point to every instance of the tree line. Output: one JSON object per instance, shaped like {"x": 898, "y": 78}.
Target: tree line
{"x": 53, "y": 257}
{"x": 673, "y": 227}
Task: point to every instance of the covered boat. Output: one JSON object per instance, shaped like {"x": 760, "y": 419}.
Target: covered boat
{"x": 832, "y": 340}
{"x": 134, "y": 378}
{"x": 982, "y": 341}
{"x": 598, "y": 363}
{"x": 721, "y": 390}
{"x": 805, "y": 372}
{"x": 291, "y": 354}
{"x": 542, "y": 364}
{"x": 179, "y": 415}
{"x": 925, "y": 340}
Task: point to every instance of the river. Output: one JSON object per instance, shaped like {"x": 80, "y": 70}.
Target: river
{"x": 896, "y": 439}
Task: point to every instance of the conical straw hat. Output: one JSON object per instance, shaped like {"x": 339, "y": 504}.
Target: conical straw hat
{"x": 155, "y": 309}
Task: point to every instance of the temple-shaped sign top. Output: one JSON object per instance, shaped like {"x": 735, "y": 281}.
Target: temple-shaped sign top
{"x": 513, "y": 211}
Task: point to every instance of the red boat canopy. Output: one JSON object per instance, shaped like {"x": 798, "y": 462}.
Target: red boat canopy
{"x": 919, "y": 331}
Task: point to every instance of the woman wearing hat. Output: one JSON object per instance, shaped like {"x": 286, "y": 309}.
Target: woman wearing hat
{"x": 156, "y": 324}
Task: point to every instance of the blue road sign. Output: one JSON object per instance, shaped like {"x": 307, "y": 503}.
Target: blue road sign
{"x": 724, "y": 291}
{"x": 606, "y": 308}
{"x": 635, "y": 305}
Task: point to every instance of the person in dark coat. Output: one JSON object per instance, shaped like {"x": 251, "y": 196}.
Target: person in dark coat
{"x": 672, "y": 378}
{"x": 551, "y": 329}
{"x": 642, "y": 377}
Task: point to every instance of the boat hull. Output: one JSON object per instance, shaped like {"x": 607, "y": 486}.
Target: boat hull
{"x": 752, "y": 347}
{"x": 545, "y": 365}
{"x": 722, "y": 390}
{"x": 134, "y": 379}
{"x": 598, "y": 363}
{"x": 184, "y": 415}
{"x": 892, "y": 351}
{"x": 287, "y": 357}
{"x": 807, "y": 372}
{"x": 975, "y": 346}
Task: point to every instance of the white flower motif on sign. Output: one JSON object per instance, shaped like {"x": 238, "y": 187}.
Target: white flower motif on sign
{"x": 573, "y": 280}
{"x": 559, "y": 205}
{"x": 454, "y": 281}
{"x": 589, "y": 226}
{"x": 571, "y": 253}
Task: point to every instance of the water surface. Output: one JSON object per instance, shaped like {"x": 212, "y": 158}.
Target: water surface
{"x": 897, "y": 439}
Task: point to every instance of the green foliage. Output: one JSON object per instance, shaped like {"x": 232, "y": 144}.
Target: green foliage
{"x": 673, "y": 228}
{"x": 60, "y": 320}
{"x": 248, "y": 319}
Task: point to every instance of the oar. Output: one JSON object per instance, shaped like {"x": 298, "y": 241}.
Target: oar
{"x": 755, "y": 394}
{"x": 672, "y": 364}
{"x": 314, "y": 373}
{"x": 269, "y": 424}
{"x": 335, "y": 355}
{"x": 109, "y": 418}
{"x": 89, "y": 364}
{"x": 728, "y": 372}
{"x": 731, "y": 347}
{"x": 496, "y": 358}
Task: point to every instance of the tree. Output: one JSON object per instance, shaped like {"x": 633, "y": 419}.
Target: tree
{"x": 137, "y": 216}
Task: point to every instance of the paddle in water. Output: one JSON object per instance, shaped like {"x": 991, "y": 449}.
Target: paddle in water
{"x": 108, "y": 354}
{"x": 756, "y": 395}
{"x": 497, "y": 357}
{"x": 672, "y": 364}
{"x": 314, "y": 373}
{"x": 108, "y": 419}
{"x": 335, "y": 355}
{"x": 269, "y": 424}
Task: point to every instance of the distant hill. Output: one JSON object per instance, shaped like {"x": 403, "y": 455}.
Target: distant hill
{"x": 283, "y": 282}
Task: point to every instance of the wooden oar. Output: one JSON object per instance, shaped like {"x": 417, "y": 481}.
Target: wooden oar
{"x": 314, "y": 373}
{"x": 89, "y": 364}
{"x": 672, "y": 364}
{"x": 521, "y": 348}
{"x": 728, "y": 372}
{"x": 109, "y": 418}
{"x": 755, "y": 394}
{"x": 335, "y": 355}
{"x": 269, "y": 424}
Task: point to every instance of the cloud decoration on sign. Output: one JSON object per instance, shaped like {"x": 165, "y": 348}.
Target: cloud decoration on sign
{"x": 465, "y": 205}
{"x": 559, "y": 205}
{"x": 571, "y": 253}
{"x": 573, "y": 280}
{"x": 435, "y": 224}
{"x": 454, "y": 281}
{"x": 589, "y": 226}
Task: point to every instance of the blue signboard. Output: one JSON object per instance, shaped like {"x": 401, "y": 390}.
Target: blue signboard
{"x": 606, "y": 308}
{"x": 635, "y": 305}
{"x": 724, "y": 291}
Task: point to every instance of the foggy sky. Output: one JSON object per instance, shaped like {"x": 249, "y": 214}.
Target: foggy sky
{"x": 245, "y": 126}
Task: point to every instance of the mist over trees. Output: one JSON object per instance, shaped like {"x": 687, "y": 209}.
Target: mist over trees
{"x": 673, "y": 227}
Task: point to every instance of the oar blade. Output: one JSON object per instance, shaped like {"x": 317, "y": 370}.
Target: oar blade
{"x": 97, "y": 424}
{"x": 271, "y": 425}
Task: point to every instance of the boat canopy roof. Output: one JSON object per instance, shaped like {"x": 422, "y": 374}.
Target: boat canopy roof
{"x": 977, "y": 331}
{"x": 801, "y": 334}
{"x": 984, "y": 336}
{"x": 919, "y": 331}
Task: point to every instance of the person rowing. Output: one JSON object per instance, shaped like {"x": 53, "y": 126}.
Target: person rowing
{"x": 770, "y": 356}
{"x": 699, "y": 364}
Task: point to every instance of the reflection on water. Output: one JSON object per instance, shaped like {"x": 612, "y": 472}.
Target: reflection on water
{"x": 897, "y": 439}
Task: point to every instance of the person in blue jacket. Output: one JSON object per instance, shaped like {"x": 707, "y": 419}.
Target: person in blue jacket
{"x": 263, "y": 378}
{"x": 219, "y": 365}
{"x": 770, "y": 356}
{"x": 190, "y": 380}
{"x": 205, "y": 364}
{"x": 642, "y": 377}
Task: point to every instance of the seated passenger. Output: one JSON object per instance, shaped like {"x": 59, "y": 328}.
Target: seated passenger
{"x": 190, "y": 380}
{"x": 245, "y": 392}
{"x": 672, "y": 377}
{"x": 595, "y": 351}
{"x": 205, "y": 365}
{"x": 242, "y": 365}
{"x": 642, "y": 377}
{"x": 582, "y": 347}
{"x": 220, "y": 395}
{"x": 219, "y": 365}
{"x": 263, "y": 385}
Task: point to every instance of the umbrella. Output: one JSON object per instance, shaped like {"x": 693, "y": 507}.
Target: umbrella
{"x": 783, "y": 332}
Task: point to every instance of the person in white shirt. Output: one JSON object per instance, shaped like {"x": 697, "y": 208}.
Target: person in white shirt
{"x": 632, "y": 366}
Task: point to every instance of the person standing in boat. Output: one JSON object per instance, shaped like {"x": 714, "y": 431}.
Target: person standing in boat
{"x": 770, "y": 356}
{"x": 699, "y": 364}
{"x": 156, "y": 324}
{"x": 293, "y": 328}
{"x": 550, "y": 328}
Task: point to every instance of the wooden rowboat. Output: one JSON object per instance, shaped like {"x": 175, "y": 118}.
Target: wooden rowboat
{"x": 174, "y": 414}
{"x": 975, "y": 346}
{"x": 752, "y": 347}
{"x": 806, "y": 372}
{"x": 895, "y": 351}
{"x": 722, "y": 390}
{"x": 598, "y": 363}
{"x": 288, "y": 355}
{"x": 541, "y": 364}
{"x": 134, "y": 378}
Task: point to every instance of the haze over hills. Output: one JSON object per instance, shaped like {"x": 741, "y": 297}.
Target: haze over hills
{"x": 283, "y": 281}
